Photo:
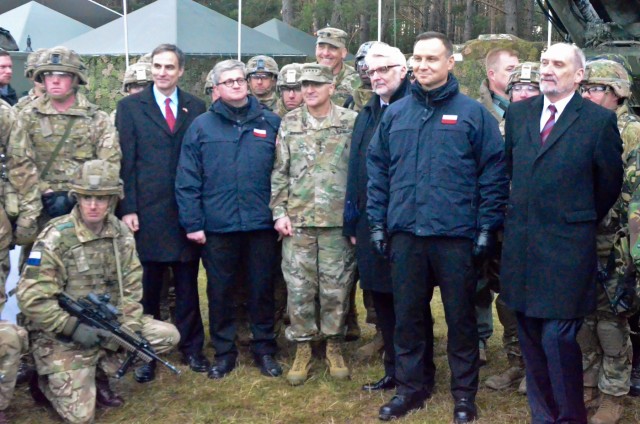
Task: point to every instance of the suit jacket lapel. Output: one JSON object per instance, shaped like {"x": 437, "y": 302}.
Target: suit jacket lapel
{"x": 152, "y": 110}
{"x": 566, "y": 119}
{"x": 183, "y": 111}
{"x": 533, "y": 125}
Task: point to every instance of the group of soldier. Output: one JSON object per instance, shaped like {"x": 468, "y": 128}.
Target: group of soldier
{"x": 356, "y": 187}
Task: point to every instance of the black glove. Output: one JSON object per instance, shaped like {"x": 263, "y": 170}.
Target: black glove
{"x": 57, "y": 203}
{"x": 87, "y": 336}
{"x": 483, "y": 247}
{"x": 379, "y": 240}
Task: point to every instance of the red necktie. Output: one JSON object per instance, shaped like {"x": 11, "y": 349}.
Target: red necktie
{"x": 546, "y": 130}
{"x": 171, "y": 120}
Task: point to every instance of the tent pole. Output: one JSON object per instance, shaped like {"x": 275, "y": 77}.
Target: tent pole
{"x": 239, "y": 29}
{"x": 379, "y": 20}
{"x": 126, "y": 33}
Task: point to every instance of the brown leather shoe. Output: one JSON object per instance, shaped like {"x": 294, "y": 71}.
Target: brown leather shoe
{"x": 105, "y": 396}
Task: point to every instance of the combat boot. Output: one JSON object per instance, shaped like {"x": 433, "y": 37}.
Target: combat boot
{"x": 374, "y": 347}
{"x": 634, "y": 390}
{"x": 610, "y": 410}
{"x": 105, "y": 396}
{"x": 505, "y": 379}
{"x": 353, "y": 328}
{"x": 591, "y": 397}
{"x": 337, "y": 368}
{"x": 301, "y": 365}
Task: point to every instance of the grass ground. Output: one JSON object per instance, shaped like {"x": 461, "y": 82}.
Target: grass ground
{"x": 248, "y": 397}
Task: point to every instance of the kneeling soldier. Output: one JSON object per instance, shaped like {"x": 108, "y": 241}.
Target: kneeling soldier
{"x": 87, "y": 251}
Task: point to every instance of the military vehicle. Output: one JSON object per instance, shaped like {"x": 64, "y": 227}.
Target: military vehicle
{"x": 602, "y": 28}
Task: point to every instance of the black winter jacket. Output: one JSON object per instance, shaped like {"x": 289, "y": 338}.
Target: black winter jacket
{"x": 224, "y": 174}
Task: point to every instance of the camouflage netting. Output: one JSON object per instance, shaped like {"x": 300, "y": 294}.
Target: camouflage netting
{"x": 105, "y": 76}
{"x": 105, "y": 72}
{"x": 470, "y": 72}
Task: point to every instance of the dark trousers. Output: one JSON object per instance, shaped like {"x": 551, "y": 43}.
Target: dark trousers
{"x": 188, "y": 318}
{"x": 383, "y": 304}
{"x": 553, "y": 361}
{"x": 223, "y": 256}
{"x": 418, "y": 264}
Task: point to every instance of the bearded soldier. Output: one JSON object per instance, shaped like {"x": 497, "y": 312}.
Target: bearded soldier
{"x": 86, "y": 251}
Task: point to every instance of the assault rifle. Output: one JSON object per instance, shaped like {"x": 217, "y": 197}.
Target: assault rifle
{"x": 97, "y": 312}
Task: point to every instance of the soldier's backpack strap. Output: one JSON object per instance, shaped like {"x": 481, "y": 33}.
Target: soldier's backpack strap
{"x": 116, "y": 252}
{"x": 55, "y": 152}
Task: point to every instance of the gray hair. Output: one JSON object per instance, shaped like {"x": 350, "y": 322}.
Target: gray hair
{"x": 380, "y": 49}
{"x": 579, "y": 60}
{"x": 225, "y": 66}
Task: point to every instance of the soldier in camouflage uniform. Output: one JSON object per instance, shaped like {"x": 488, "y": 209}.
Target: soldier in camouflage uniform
{"x": 33, "y": 60}
{"x": 524, "y": 82}
{"x": 331, "y": 50}
{"x": 604, "y": 337}
{"x": 362, "y": 91}
{"x": 308, "y": 186}
{"x": 86, "y": 251}
{"x": 136, "y": 78}
{"x": 13, "y": 339}
{"x": 262, "y": 74}
{"x": 289, "y": 88}
{"x": 52, "y": 138}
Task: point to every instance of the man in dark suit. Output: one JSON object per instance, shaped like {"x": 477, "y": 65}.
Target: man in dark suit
{"x": 563, "y": 157}
{"x": 151, "y": 125}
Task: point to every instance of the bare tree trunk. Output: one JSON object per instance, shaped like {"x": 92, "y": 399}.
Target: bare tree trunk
{"x": 511, "y": 17}
{"x": 336, "y": 20}
{"x": 468, "y": 20}
{"x": 426, "y": 15}
{"x": 492, "y": 20}
{"x": 386, "y": 20}
{"x": 450, "y": 30}
{"x": 287, "y": 11}
{"x": 528, "y": 18}
{"x": 365, "y": 30}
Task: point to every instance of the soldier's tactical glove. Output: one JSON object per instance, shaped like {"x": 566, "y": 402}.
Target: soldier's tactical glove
{"x": 483, "y": 247}
{"x": 83, "y": 334}
{"x": 379, "y": 240}
{"x": 57, "y": 203}
{"x": 25, "y": 232}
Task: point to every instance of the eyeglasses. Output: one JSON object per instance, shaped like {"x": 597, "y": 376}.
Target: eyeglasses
{"x": 525, "y": 87}
{"x": 383, "y": 70}
{"x": 229, "y": 83}
{"x": 261, "y": 77}
{"x": 297, "y": 89}
{"x": 593, "y": 89}
{"x": 58, "y": 74}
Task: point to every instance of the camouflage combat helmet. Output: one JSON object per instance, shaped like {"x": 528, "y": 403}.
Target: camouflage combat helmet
{"x": 33, "y": 60}
{"x": 208, "y": 83}
{"x": 261, "y": 63}
{"x": 97, "y": 178}
{"x": 290, "y": 75}
{"x": 362, "y": 52}
{"x": 609, "y": 73}
{"x": 526, "y": 72}
{"x": 138, "y": 73}
{"x": 64, "y": 60}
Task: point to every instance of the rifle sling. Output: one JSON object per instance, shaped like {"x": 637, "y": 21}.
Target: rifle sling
{"x": 55, "y": 152}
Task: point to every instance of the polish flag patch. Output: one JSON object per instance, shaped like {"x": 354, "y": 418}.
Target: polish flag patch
{"x": 449, "y": 119}
{"x": 260, "y": 133}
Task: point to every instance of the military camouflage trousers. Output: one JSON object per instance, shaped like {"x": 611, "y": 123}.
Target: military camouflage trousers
{"x": 72, "y": 390}
{"x": 317, "y": 263}
{"x": 606, "y": 350}
{"x": 14, "y": 343}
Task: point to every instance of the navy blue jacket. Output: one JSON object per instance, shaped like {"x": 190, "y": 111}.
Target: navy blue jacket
{"x": 224, "y": 174}
{"x": 436, "y": 166}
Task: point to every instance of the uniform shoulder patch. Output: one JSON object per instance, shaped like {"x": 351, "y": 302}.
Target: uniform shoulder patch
{"x": 64, "y": 225}
{"x": 35, "y": 257}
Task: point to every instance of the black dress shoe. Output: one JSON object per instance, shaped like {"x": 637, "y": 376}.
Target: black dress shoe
{"x": 145, "y": 373}
{"x": 464, "y": 411}
{"x": 196, "y": 361}
{"x": 268, "y": 366}
{"x": 221, "y": 368}
{"x": 385, "y": 383}
{"x": 399, "y": 406}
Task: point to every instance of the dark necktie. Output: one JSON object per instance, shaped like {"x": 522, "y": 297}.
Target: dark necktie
{"x": 171, "y": 120}
{"x": 546, "y": 130}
